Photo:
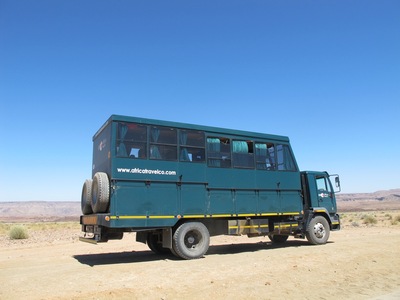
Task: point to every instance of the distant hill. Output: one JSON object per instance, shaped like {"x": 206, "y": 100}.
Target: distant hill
{"x": 380, "y": 200}
{"x": 33, "y": 211}
{"x": 39, "y": 211}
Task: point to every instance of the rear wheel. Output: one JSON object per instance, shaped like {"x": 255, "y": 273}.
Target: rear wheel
{"x": 174, "y": 253}
{"x": 86, "y": 199}
{"x": 278, "y": 238}
{"x": 318, "y": 231}
{"x": 191, "y": 240}
{"x": 154, "y": 241}
{"x": 100, "y": 192}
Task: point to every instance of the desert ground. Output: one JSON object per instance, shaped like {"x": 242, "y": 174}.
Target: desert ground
{"x": 361, "y": 261}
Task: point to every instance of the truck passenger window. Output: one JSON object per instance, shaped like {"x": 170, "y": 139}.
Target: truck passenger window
{"x": 243, "y": 156}
{"x": 163, "y": 143}
{"x": 191, "y": 146}
{"x": 285, "y": 158}
{"x": 219, "y": 152}
{"x": 131, "y": 140}
{"x": 265, "y": 156}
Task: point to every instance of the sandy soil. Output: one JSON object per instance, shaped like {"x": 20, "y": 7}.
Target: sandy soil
{"x": 358, "y": 263}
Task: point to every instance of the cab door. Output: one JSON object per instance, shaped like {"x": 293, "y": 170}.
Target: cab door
{"x": 325, "y": 194}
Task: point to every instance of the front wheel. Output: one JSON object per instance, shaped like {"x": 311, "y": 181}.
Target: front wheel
{"x": 191, "y": 240}
{"x": 318, "y": 231}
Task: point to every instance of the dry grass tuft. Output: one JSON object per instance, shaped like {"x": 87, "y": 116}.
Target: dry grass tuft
{"x": 18, "y": 232}
{"x": 384, "y": 218}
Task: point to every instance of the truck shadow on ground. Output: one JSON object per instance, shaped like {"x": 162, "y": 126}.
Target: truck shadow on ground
{"x": 148, "y": 256}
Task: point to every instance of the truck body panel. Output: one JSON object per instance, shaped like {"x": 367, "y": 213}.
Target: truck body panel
{"x": 164, "y": 174}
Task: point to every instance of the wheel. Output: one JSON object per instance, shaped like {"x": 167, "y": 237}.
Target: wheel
{"x": 174, "y": 253}
{"x": 318, "y": 231}
{"x": 154, "y": 241}
{"x": 100, "y": 192}
{"x": 191, "y": 240}
{"x": 86, "y": 199}
{"x": 278, "y": 238}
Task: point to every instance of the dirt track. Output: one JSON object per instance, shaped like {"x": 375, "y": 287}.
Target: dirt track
{"x": 357, "y": 263}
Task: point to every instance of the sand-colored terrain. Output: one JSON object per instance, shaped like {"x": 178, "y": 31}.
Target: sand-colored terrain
{"x": 361, "y": 261}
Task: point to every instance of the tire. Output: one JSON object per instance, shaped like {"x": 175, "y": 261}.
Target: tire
{"x": 191, "y": 240}
{"x": 278, "y": 238}
{"x": 100, "y": 193}
{"x": 174, "y": 253}
{"x": 155, "y": 244}
{"x": 318, "y": 231}
{"x": 86, "y": 199}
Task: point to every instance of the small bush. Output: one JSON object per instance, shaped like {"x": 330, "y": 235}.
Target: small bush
{"x": 18, "y": 232}
{"x": 355, "y": 224}
{"x": 369, "y": 220}
{"x": 396, "y": 220}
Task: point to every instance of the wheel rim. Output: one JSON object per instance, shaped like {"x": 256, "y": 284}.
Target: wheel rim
{"x": 192, "y": 239}
{"x": 319, "y": 230}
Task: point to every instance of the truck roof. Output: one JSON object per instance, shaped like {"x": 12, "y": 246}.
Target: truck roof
{"x": 208, "y": 129}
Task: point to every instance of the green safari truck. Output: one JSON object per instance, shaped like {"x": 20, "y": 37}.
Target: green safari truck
{"x": 177, "y": 184}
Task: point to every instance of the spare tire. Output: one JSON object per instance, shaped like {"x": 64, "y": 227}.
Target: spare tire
{"x": 86, "y": 199}
{"x": 100, "y": 192}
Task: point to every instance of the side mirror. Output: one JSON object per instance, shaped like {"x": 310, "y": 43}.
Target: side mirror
{"x": 337, "y": 182}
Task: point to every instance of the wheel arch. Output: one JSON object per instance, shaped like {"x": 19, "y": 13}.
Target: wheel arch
{"x": 319, "y": 211}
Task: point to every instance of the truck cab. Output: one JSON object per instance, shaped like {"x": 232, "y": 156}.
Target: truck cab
{"x": 319, "y": 200}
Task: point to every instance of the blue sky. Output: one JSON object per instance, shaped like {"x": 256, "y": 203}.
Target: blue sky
{"x": 324, "y": 73}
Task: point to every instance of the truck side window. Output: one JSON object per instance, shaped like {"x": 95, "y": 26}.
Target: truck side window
{"x": 219, "y": 152}
{"x": 323, "y": 184}
{"x": 243, "y": 156}
{"x": 131, "y": 140}
{"x": 265, "y": 156}
{"x": 163, "y": 143}
{"x": 192, "y": 148}
{"x": 285, "y": 158}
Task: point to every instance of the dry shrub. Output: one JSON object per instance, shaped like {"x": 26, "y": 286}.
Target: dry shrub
{"x": 396, "y": 220}
{"x": 369, "y": 220}
{"x": 18, "y": 232}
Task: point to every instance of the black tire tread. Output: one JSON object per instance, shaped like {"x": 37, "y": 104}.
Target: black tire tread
{"x": 86, "y": 199}
{"x": 278, "y": 238}
{"x": 179, "y": 247}
{"x": 155, "y": 245}
{"x": 100, "y": 192}
{"x": 312, "y": 239}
